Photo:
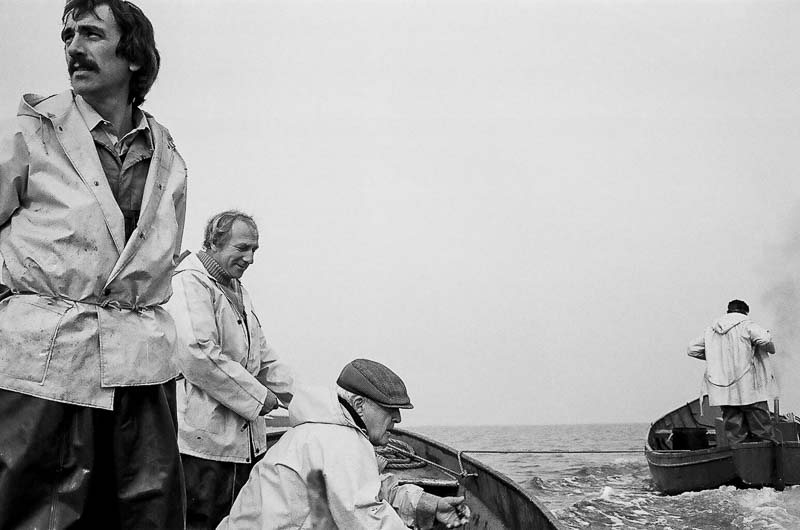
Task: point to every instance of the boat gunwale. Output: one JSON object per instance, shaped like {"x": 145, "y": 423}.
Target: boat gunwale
{"x": 713, "y": 454}
{"x": 484, "y": 467}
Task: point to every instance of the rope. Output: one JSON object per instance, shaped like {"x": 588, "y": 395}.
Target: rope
{"x": 529, "y": 452}
{"x": 752, "y": 365}
{"x": 525, "y": 452}
{"x": 434, "y": 464}
{"x": 398, "y": 446}
{"x": 399, "y": 455}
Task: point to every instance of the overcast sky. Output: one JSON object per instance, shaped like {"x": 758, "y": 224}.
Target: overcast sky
{"x": 526, "y": 209}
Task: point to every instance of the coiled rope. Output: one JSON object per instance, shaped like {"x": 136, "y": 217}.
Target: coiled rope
{"x": 399, "y": 455}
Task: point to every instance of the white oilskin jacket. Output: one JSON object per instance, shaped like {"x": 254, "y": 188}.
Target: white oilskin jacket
{"x": 227, "y": 367}
{"x": 324, "y": 437}
{"x": 86, "y": 315}
{"x": 737, "y": 369}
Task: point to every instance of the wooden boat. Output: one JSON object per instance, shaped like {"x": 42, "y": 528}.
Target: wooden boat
{"x": 687, "y": 451}
{"x": 495, "y": 501}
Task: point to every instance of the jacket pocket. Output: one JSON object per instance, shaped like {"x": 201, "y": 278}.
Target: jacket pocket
{"x": 28, "y": 328}
{"x": 202, "y": 412}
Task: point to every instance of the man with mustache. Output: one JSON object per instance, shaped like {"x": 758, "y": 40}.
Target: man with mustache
{"x": 232, "y": 378}
{"x": 92, "y": 203}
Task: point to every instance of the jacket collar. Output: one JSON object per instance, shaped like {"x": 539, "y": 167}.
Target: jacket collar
{"x": 37, "y": 106}
{"x": 94, "y": 120}
{"x": 57, "y": 105}
{"x": 193, "y": 262}
{"x": 213, "y": 267}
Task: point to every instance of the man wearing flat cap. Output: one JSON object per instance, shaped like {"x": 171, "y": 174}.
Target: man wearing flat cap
{"x": 334, "y": 431}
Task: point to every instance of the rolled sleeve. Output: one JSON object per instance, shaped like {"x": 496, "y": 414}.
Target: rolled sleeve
{"x": 697, "y": 348}
{"x": 758, "y": 335}
{"x": 416, "y": 508}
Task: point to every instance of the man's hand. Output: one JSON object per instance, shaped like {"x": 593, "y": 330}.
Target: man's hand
{"x": 270, "y": 403}
{"x": 452, "y": 512}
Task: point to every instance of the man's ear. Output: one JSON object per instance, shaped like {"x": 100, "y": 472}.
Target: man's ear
{"x": 358, "y": 404}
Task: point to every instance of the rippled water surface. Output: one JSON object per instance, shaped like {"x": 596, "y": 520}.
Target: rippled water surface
{"x": 614, "y": 490}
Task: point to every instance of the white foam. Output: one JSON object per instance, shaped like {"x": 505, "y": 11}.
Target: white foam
{"x": 607, "y": 492}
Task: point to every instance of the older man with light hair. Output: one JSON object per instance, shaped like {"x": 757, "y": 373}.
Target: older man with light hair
{"x": 232, "y": 377}
{"x": 334, "y": 431}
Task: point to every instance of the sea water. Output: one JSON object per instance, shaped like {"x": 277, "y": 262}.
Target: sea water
{"x": 614, "y": 490}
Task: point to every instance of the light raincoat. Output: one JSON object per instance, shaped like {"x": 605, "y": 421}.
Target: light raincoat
{"x": 86, "y": 315}
{"x": 324, "y": 437}
{"x": 227, "y": 366}
{"x": 737, "y": 369}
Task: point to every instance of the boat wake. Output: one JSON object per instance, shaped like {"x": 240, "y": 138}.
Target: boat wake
{"x": 721, "y": 509}
{"x": 608, "y": 491}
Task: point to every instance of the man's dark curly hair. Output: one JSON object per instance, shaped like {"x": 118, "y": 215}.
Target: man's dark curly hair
{"x": 137, "y": 43}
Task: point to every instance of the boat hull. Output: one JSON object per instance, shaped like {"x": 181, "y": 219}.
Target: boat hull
{"x": 679, "y": 471}
{"x": 676, "y": 467}
{"x": 755, "y": 463}
{"x": 495, "y": 500}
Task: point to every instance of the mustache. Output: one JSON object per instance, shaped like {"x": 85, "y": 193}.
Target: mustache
{"x": 84, "y": 62}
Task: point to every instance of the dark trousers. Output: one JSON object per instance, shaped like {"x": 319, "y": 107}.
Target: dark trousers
{"x": 748, "y": 422}
{"x": 211, "y": 488}
{"x": 67, "y": 466}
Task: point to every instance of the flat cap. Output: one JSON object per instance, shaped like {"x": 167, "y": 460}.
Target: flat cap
{"x": 375, "y": 381}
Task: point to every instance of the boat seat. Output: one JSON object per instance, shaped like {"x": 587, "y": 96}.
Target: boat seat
{"x": 662, "y": 439}
{"x": 692, "y": 438}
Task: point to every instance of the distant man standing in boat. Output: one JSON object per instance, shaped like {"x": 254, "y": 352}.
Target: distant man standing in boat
{"x": 334, "y": 431}
{"x": 738, "y": 377}
{"x": 232, "y": 377}
{"x": 92, "y": 203}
